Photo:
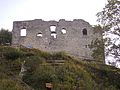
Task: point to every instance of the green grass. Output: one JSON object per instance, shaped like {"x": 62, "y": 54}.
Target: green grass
{"x": 73, "y": 74}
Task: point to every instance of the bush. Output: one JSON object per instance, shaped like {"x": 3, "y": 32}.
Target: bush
{"x": 60, "y": 56}
{"x": 8, "y": 84}
{"x": 13, "y": 54}
{"x": 62, "y": 77}
{"x": 10, "y": 53}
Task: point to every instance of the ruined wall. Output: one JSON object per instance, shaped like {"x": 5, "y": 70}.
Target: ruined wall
{"x": 74, "y": 40}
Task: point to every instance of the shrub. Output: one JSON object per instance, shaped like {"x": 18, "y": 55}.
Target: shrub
{"x": 13, "y": 54}
{"x": 10, "y": 53}
{"x": 8, "y": 84}
{"x": 60, "y": 56}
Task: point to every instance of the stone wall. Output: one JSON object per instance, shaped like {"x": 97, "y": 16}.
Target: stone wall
{"x": 72, "y": 37}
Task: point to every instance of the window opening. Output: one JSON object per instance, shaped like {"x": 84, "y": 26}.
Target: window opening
{"x": 39, "y": 35}
{"x": 84, "y": 31}
{"x": 63, "y": 31}
{"x": 52, "y": 28}
{"x": 23, "y": 32}
{"x": 54, "y": 34}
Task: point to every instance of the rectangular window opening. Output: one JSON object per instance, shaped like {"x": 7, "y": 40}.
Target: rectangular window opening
{"x": 53, "y": 28}
{"x": 23, "y": 32}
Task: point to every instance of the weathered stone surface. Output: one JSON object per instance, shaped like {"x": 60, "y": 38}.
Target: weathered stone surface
{"x": 38, "y": 35}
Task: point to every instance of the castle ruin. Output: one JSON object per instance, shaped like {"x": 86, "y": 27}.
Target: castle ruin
{"x": 72, "y": 37}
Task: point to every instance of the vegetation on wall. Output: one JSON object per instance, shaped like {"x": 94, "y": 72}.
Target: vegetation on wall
{"x": 97, "y": 45}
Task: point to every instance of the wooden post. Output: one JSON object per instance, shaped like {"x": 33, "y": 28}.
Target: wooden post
{"x": 49, "y": 86}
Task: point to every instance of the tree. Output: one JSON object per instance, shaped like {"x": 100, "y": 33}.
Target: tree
{"x": 110, "y": 21}
{"x": 98, "y": 45}
{"x": 5, "y": 37}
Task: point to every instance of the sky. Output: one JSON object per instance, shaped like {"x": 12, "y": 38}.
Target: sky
{"x": 18, "y": 10}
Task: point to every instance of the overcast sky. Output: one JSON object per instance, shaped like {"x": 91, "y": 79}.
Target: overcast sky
{"x": 18, "y": 10}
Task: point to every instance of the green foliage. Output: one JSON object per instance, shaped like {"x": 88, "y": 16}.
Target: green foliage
{"x": 33, "y": 62}
{"x": 109, "y": 18}
{"x": 98, "y": 29}
{"x": 5, "y": 37}
{"x": 76, "y": 76}
{"x": 45, "y": 55}
{"x": 110, "y": 15}
{"x": 10, "y": 53}
{"x": 98, "y": 45}
{"x": 60, "y": 56}
{"x": 71, "y": 75}
{"x": 98, "y": 50}
{"x": 64, "y": 77}
{"x": 104, "y": 76}
{"x": 8, "y": 84}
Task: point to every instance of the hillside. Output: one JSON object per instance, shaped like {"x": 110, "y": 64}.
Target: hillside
{"x": 61, "y": 70}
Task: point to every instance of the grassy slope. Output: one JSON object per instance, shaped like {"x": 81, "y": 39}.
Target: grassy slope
{"x": 71, "y": 75}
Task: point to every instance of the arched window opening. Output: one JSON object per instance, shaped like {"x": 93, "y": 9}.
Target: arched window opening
{"x": 23, "y": 32}
{"x": 39, "y": 35}
{"x": 84, "y": 31}
{"x": 63, "y": 31}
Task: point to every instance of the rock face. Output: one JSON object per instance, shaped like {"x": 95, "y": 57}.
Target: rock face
{"x": 72, "y": 37}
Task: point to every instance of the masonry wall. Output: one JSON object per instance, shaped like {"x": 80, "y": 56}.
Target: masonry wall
{"x": 38, "y": 35}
